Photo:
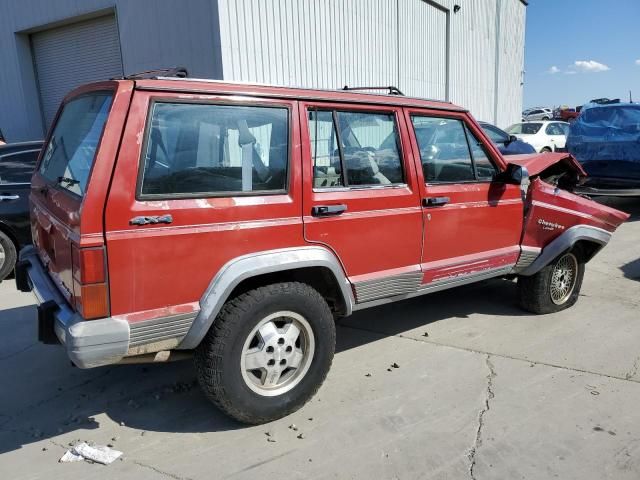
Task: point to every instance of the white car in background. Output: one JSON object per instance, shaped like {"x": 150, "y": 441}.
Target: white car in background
{"x": 538, "y": 113}
{"x": 544, "y": 136}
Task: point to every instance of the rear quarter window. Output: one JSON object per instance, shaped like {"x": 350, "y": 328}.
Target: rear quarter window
{"x": 200, "y": 150}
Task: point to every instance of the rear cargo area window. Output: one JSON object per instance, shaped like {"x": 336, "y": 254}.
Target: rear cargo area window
{"x": 203, "y": 149}
{"x": 69, "y": 155}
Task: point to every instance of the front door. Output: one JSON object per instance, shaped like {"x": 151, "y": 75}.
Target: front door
{"x": 473, "y": 223}
{"x": 361, "y": 196}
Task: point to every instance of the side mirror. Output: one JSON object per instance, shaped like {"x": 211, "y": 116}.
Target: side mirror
{"x": 512, "y": 138}
{"x": 516, "y": 175}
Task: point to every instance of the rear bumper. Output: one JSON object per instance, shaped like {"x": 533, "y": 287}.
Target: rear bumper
{"x": 89, "y": 343}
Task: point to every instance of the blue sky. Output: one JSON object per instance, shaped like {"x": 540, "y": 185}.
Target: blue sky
{"x": 602, "y": 36}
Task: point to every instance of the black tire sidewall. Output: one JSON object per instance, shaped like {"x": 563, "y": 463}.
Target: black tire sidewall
{"x": 10, "y": 255}
{"x": 535, "y": 291}
{"x": 236, "y": 391}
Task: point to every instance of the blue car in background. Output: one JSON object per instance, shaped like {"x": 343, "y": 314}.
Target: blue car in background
{"x": 605, "y": 139}
{"x": 507, "y": 144}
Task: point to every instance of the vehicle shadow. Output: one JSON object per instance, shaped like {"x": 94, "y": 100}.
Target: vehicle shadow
{"x": 45, "y": 398}
{"x": 630, "y": 205}
{"x": 631, "y": 270}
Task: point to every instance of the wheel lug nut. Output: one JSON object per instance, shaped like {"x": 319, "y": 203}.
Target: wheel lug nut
{"x": 281, "y": 341}
{"x": 269, "y": 349}
{"x": 289, "y": 349}
{"x": 283, "y": 362}
{"x": 271, "y": 362}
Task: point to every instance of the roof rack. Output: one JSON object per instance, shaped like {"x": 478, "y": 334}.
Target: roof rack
{"x": 392, "y": 90}
{"x": 179, "y": 72}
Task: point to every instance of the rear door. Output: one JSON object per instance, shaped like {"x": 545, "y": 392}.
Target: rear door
{"x": 473, "y": 223}
{"x": 361, "y": 198}
{"x": 221, "y": 177}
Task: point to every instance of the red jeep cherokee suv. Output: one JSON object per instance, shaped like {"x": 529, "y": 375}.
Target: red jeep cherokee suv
{"x": 238, "y": 221}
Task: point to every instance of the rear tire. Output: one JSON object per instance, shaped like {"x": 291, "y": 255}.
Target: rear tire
{"x": 555, "y": 287}
{"x": 286, "y": 332}
{"x": 8, "y": 255}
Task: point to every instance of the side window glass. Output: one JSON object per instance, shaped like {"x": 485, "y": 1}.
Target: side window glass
{"x": 484, "y": 168}
{"x": 494, "y": 134}
{"x": 370, "y": 148}
{"x": 17, "y": 167}
{"x": 327, "y": 170}
{"x": 354, "y": 149}
{"x": 443, "y": 149}
{"x": 203, "y": 150}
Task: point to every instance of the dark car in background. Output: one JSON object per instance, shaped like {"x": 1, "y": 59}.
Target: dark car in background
{"x": 507, "y": 144}
{"x": 605, "y": 139}
{"x": 17, "y": 162}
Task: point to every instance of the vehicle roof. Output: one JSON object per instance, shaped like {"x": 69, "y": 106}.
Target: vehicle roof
{"x": 198, "y": 85}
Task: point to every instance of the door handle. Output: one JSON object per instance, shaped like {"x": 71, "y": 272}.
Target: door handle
{"x": 328, "y": 210}
{"x": 8, "y": 198}
{"x": 434, "y": 201}
{"x": 151, "y": 220}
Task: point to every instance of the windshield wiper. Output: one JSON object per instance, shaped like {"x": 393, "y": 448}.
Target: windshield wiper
{"x": 69, "y": 181}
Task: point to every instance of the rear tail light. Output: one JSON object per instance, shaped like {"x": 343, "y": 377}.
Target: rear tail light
{"x": 91, "y": 295}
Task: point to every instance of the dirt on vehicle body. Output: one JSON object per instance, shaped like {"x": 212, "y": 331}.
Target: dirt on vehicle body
{"x": 238, "y": 221}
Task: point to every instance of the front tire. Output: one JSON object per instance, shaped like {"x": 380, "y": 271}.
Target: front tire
{"x": 267, "y": 353}
{"x": 555, "y": 287}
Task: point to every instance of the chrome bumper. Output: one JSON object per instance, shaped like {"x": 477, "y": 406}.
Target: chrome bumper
{"x": 89, "y": 343}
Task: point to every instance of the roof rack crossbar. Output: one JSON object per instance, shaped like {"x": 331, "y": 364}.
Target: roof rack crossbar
{"x": 392, "y": 90}
{"x": 179, "y": 72}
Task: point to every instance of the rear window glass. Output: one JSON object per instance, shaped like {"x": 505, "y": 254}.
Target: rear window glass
{"x": 203, "y": 150}
{"x": 70, "y": 153}
{"x": 524, "y": 128}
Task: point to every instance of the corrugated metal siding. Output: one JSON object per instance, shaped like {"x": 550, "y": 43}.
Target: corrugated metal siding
{"x": 330, "y": 43}
{"x": 473, "y": 46}
{"x": 422, "y": 70}
{"x": 68, "y": 56}
{"x": 319, "y": 43}
{"x": 510, "y": 83}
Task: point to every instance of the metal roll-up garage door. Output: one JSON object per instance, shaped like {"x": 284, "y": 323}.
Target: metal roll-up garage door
{"x": 73, "y": 54}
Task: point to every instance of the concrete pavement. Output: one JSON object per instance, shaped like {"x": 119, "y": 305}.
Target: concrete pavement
{"x": 490, "y": 392}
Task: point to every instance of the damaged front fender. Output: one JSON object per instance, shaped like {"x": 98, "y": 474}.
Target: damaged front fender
{"x": 556, "y": 220}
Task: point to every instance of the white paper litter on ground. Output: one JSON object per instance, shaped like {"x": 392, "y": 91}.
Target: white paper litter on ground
{"x": 69, "y": 456}
{"x": 84, "y": 451}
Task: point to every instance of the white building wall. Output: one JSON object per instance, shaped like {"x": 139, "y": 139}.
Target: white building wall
{"x": 420, "y": 46}
{"x": 511, "y": 66}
